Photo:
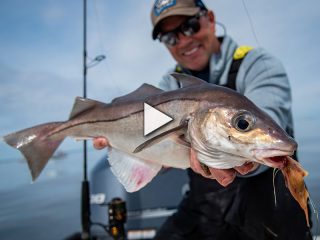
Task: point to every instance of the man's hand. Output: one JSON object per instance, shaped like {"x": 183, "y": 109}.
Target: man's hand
{"x": 100, "y": 143}
{"x": 223, "y": 176}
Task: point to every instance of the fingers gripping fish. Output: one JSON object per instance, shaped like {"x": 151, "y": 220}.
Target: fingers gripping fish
{"x": 225, "y": 128}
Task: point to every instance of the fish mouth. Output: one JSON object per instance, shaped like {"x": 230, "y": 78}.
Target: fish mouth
{"x": 276, "y": 161}
{"x": 274, "y": 158}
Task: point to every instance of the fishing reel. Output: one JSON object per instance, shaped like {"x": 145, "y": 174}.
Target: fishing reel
{"x": 117, "y": 214}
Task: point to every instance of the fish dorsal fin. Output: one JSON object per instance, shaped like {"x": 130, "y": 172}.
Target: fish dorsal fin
{"x": 83, "y": 104}
{"x": 133, "y": 173}
{"x": 145, "y": 90}
{"x": 187, "y": 80}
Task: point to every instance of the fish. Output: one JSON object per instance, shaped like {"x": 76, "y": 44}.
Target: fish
{"x": 225, "y": 128}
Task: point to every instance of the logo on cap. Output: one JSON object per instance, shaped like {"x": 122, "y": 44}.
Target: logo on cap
{"x": 161, "y": 5}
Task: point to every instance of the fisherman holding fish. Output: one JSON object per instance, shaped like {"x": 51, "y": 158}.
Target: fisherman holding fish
{"x": 232, "y": 138}
{"x": 235, "y": 203}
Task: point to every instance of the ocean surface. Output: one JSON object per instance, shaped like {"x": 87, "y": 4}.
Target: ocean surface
{"x": 45, "y": 210}
{"x": 49, "y": 209}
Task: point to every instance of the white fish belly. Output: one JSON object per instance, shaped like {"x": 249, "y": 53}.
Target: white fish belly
{"x": 126, "y": 135}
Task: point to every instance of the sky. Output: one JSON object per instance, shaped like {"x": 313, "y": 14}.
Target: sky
{"x": 41, "y": 44}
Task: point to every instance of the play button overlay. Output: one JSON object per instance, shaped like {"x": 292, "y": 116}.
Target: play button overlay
{"x": 154, "y": 119}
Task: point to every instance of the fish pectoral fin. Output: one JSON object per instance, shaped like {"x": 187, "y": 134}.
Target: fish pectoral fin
{"x": 180, "y": 139}
{"x": 180, "y": 129}
{"x": 83, "y": 104}
{"x": 133, "y": 173}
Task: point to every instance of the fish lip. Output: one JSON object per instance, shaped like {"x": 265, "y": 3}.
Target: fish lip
{"x": 275, "y": 162}
{"x": 275, "y": 158}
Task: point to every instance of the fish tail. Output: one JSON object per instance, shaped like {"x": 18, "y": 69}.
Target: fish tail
{"x": 36, "y": 144}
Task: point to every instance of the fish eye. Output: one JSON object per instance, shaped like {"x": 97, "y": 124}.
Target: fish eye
{"x": 243, "y": 121}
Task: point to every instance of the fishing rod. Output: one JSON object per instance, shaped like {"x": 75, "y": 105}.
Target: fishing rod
{"x": 85, "y": 187}
{"x": 85, "y": 190}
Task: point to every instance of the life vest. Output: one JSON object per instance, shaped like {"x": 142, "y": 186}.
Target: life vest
{"x": 238, "y": 56}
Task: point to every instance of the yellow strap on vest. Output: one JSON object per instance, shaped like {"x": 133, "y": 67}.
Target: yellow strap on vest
{"x": 241, "y": 52}
{"x": 179, "y": 69}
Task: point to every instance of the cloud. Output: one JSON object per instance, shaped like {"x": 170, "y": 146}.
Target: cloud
{"x": 130, "y": 51}
{"x": 32, "y": 97}
{"x": 53, "y": 14}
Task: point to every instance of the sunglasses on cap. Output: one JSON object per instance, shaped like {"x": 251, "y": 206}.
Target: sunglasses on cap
{"x": 188, "y": 28}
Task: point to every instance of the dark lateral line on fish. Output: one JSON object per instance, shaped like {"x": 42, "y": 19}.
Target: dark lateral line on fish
{"x": 88, "y": 122}
{"x": 112, "y": 120}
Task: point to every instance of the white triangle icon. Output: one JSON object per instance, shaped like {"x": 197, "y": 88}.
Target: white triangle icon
{"x": 153, "y": 119}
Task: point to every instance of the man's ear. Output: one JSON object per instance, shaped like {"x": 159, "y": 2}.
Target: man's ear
{"x": 211, "y": 16}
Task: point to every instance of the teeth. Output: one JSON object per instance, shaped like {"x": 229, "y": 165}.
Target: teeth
{"x": 191, "y": 51}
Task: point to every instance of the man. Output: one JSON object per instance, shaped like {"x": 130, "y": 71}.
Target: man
{"x": 239, "y": 203}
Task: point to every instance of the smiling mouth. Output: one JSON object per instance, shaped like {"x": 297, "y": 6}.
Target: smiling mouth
{"x": 190, "y": 52}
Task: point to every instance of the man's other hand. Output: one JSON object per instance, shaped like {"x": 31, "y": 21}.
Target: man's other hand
{"x": 100, "y": 143}
{"x": 223, "y": 176}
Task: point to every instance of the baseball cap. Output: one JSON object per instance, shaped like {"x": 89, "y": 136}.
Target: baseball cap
{"x": 165, "y": 8}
